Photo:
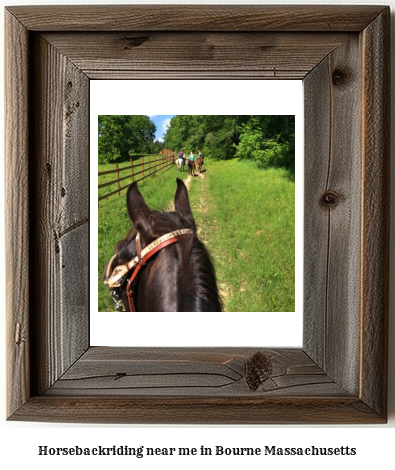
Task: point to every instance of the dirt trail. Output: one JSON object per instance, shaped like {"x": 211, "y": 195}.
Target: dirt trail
{"x": 187, "y": 182}
{"x": 188, "y": 179}
{"x": 203, "y": 207}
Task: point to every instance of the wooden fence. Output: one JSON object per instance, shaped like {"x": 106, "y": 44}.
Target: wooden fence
{"x": 149, "y": 167}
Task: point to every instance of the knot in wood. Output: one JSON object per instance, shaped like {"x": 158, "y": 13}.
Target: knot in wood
{"x": 259, "y": 369}
{"x": 330, "y": 199}
{"x": 339, "y": 77}
{"x": 135, "y": 41}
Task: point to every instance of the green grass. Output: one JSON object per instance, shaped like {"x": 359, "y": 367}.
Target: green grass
{"x": 247, "y": 219}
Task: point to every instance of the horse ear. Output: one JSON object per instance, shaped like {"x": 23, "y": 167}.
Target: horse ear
{"x": 139, "y": 213}
{"x": 182, "y": 206}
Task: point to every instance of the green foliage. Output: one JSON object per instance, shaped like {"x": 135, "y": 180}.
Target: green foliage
{"x": 122, "y": 135}
{"x": 275, "y": 154}
{"x": 214, "y": 135}
{"x": 268, "y": 140}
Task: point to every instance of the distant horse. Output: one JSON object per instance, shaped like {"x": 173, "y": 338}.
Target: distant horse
{"x": 180, "y": 164}
{"x": 199, "y": 163}
{"x": 191, "y": 167}
{"x": 161, "y": 266}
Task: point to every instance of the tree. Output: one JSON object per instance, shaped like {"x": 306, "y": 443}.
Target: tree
{"x": 123, "y": 135}
{"x": 267, "y": 139}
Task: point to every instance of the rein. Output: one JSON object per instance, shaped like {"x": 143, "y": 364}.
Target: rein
{"x": 116, "y": 279}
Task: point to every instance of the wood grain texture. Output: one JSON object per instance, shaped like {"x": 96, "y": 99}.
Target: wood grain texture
{"x": 198, "y": 410}
{"x": 196, "y": 17}
{"x": 60, "y": 193}
{"x": 317, "y": 113}
{"x": 17, "y": 212}
{"x": 376, "y": 211}
{"x": 132, "y": 385}
{"x": 196, "y": 55}
{"x": 339, "y": 376}
{"x": 206, "y": 372}
{"x": 332, "y": 208}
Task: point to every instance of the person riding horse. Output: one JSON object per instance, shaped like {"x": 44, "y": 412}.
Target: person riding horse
{"x": 181, "y": 161}
{"x": 191, "y": 164}
{"x": 200, "y": 161}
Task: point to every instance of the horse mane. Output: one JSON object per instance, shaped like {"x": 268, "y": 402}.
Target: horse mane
{"x": 200, "y": 289}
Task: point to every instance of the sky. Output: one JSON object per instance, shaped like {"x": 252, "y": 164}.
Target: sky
{"x": 161, "y": 122}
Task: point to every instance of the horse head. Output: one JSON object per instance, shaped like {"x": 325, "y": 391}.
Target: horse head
{"x": 161, "y": 261}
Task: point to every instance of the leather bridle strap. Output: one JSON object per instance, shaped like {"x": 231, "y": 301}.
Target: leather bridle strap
{"x": 108, "y": 270}
{"x": 143, "y": 255}
{"x": 118, "y": 274}
{"x": 142, "y": 262}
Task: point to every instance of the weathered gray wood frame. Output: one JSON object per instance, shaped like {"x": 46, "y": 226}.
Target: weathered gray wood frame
{"x": 340, "y": 374}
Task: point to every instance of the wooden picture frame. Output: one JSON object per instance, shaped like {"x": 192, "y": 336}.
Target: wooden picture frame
{"x": 340, "y": 373}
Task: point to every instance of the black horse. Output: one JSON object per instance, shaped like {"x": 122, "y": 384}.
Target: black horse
{"x": 161, "y": 266}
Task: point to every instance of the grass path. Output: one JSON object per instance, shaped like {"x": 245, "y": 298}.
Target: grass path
{"x": 246, "y": 219}
{"x": 207, "y": 229}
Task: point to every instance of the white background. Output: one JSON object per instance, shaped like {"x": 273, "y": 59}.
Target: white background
{"x": 19, "y": 441}
{"x": 188, "y": 97}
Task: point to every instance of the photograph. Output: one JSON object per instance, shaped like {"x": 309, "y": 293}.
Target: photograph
{"x": 186, "y": 188}
{"x": 196, "y": 213}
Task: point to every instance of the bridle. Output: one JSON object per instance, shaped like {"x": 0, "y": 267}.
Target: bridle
{"x": 119, "y": 275}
